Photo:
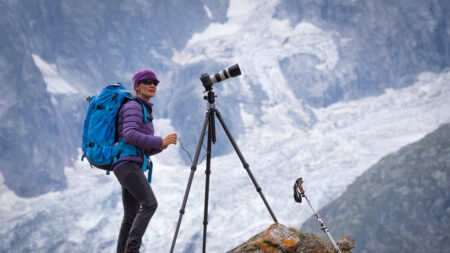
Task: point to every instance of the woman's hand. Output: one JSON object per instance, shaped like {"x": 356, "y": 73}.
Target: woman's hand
{"x": 169, "y": 139}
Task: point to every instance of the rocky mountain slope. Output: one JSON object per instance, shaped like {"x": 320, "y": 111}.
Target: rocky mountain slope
{"x": 401, "y": 204}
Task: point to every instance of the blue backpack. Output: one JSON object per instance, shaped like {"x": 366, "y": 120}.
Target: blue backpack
{"x": 100, "y": 144}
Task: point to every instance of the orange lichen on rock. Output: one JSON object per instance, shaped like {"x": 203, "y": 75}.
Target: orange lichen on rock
{"x": 281, "y": 239}
{"x": 277, "y": 238}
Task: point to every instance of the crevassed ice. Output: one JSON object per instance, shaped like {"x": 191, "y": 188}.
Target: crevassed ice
{"x": 55, "y": 83}
{"x": 258, "y": 42}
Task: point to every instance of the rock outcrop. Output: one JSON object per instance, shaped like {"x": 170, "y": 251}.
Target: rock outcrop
{"x": 281, "y": 239}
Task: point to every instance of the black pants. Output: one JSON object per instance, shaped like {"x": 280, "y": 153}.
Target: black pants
{"x": 139, "y": 205}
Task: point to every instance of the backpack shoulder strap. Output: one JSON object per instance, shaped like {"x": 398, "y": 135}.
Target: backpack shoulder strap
{"x": 144, "y": 110}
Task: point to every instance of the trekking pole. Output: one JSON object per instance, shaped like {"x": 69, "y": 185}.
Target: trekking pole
{"x": 298, "y": 194}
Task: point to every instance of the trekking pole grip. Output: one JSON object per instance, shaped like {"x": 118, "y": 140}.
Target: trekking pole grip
{"x": 300, "y": 186}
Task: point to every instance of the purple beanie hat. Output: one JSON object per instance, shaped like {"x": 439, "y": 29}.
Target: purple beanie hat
{"x": 144, "y": 74}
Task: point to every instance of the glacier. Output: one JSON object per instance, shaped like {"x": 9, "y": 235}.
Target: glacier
{"x": 243, "y": 41}
{"x": 347, "y": 138}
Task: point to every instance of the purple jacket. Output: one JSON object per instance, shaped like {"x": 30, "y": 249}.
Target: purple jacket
{"x": 132, "y": 128}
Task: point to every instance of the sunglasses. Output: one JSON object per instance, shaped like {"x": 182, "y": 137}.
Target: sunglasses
{"x": 149, "y": 82}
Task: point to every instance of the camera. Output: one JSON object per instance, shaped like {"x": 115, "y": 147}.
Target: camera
{"x": 209, "y": 80}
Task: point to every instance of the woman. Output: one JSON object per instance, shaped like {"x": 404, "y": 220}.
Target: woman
{"x": 139, "y": 202}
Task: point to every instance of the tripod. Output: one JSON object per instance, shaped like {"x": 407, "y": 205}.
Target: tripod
{"x": 210, "y": 123}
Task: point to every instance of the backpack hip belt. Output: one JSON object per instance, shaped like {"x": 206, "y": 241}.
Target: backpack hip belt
{"x": 124, "y": 149}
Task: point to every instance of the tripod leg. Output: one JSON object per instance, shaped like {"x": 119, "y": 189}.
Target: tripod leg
{"x": 208, "y": 173}
{"x": 212, "y": 127}
{"x": 245, "y": 164}
{"x": 191, "y": 177}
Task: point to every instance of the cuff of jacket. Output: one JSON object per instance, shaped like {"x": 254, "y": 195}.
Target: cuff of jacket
{"x": 157, "y": 142}
{"x": 154, "y": 151}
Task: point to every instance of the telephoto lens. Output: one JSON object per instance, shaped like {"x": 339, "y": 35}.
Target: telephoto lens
{"x": 231, "y": 71}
